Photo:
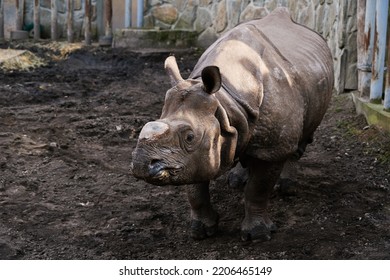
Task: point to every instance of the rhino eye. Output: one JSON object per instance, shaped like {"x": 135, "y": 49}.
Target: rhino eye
{"x": 190, "y": 137}
{"x": 188, "y": 140}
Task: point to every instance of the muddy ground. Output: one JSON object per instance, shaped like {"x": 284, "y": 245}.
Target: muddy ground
{"x": 67, "y": 131}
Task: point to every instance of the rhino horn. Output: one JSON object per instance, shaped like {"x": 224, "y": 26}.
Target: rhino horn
{"x": 173, "y": 70}
{"x": 211, "y": 78}
{"x": 153, "y": 130}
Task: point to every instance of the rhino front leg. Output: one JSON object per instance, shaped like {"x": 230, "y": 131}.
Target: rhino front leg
{"x": 262, "y": 178}
{"x": 204, "y": 219}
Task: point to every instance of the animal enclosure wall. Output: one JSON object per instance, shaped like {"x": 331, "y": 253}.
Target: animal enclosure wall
{"x": 334, "y": 19}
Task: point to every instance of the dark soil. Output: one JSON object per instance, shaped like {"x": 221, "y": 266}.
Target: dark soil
{"x": 67, "y": 132}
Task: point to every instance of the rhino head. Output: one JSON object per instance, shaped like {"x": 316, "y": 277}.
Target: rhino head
{"x": 192, "y": 141}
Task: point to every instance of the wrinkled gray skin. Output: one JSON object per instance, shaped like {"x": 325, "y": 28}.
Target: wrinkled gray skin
{"x": 255, "y": 96}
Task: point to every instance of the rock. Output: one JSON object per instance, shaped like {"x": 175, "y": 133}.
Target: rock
{"x": 165, "y": 13}
{"x": 340, "y": 71}
{"x": 306, "y": 16}
{"x": 154, "y": 2}
{"x": 271, "y": 5}
{"x": 221, "y": 17}
{"x": 149, "y": 22}
{"x": 159, "y": 25}
{"x": 187, "y": 18}
{"x": 203, "y": 20}
{"x": 352, "y": 8}
{"x": 342, "y": 18}
{"x": 53, "y": 145}
{"x": 205, "y": 3}
{"x": 178, "y": 4}
{"x": 258, "y": 3}
{"x": 351, "y": 78}
{"x": 319, "y": 25}
{"x": 233, "y": 12}
{"x": 252, "y": 12}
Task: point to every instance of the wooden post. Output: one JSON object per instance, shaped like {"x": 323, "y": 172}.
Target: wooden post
{"x": 1, "y": 20}
{"x": 87, "y": 20}
{"x": 69, "y": 8}
{"x": 37, "y": 21}
{"x": 18, "y": 22}
{"x": 54, "y": 19}
{"x": 108, "y": 17}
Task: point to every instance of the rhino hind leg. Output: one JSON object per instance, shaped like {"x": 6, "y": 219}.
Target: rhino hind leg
{"x": 287, "y": 180}
{"x": 286, "y": 184}
{"x": 204, "y": 219}
{"x": 238, "y": 177}
{"x": 262, "y": 178}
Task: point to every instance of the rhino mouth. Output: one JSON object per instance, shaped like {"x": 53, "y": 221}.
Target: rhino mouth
{"x": 163, "y": 177}
{"x": 157, "y": 173}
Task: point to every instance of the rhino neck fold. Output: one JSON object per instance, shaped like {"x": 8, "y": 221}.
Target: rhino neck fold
{"x": 238, "y": 115}
{"x": 228, "y": 139}
{"x": 252, "y": 112}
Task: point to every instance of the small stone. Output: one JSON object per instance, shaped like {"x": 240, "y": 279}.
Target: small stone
{"x": 53, "y": 145}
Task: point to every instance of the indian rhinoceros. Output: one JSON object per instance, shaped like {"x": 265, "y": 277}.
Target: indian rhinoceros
{"x": 255, "y": 96}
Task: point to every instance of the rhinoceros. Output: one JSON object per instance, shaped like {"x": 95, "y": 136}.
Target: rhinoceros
{"x": 255, "y": 96}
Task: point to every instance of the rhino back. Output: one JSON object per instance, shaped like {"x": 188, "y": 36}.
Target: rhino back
{"x": 277, "y": 77}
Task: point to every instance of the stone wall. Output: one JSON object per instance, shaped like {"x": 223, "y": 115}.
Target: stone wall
{"x": 333, "y": 19}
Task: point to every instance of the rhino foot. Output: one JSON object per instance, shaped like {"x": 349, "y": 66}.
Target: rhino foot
{"x": 286, "y": 187}
{"x": 261, "y": 232}
{"x": 201, "y": 231}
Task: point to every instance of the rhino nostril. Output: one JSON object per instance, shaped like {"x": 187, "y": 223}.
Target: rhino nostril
{"x": 155, "y": 167}
{"x": 153, "y": 162}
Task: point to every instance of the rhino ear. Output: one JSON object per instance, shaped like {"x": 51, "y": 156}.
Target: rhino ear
{"x": 172, "y": 70}
{"x": 211, "y": 78}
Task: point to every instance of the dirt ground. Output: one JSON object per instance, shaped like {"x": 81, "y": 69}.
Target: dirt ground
{"x": 67, "y": 131}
